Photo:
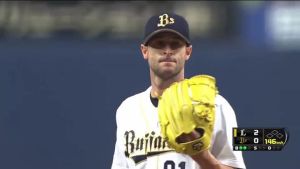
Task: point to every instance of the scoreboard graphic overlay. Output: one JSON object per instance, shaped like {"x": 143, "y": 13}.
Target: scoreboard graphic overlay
{"x": 259, "y": 139}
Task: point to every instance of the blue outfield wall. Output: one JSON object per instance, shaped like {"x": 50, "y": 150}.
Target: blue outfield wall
{"x": 58, "y": 97}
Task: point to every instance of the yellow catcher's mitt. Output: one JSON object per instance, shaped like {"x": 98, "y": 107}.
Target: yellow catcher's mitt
{"x": 188, "y": 106}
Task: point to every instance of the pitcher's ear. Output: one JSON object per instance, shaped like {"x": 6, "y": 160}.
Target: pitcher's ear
{"x": 188, "y": 51}
{"x": 144, "y": 50}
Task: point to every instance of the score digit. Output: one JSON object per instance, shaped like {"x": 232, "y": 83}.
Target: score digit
{"x": 256, "y": 132}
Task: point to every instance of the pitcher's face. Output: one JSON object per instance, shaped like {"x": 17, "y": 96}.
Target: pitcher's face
{"x": 166, "y": 54}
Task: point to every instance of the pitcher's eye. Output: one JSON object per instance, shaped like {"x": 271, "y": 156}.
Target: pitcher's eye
{"x": 158, "y": 44}
{"x": 176, "y": 44}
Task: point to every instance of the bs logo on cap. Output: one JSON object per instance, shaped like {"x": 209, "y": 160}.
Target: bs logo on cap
{"x": 165, "y": 20}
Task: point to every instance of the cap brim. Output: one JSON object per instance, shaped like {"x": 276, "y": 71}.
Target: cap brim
{"x": 146, "y": 40}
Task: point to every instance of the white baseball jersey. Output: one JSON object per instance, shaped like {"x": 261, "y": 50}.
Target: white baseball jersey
{"x": 139, "y": 144}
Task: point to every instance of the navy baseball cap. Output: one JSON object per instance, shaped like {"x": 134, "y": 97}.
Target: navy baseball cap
{"x": 167, "y": 22}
